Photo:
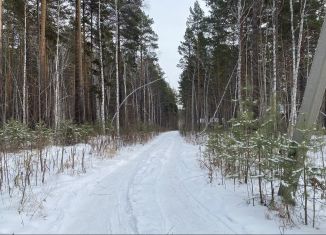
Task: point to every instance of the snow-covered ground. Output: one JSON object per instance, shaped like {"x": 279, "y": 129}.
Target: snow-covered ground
{"x": 153, "y": 188}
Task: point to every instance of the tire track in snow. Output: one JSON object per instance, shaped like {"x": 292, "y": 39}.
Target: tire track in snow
{"x": 157, "y": 188}
{"x": 189, "y": 209}
{"x": 144, "y": 190}
{"x": 202, "y": 206}
{"x": 112, "y": 213}
{"x": 126, "y": 210}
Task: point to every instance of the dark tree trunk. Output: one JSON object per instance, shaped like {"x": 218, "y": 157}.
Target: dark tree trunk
{"x": 42, "y": 61}
{"x": 79, "y": 97}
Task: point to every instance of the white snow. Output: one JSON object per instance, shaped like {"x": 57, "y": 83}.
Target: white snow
{"x": 153, "y": 188}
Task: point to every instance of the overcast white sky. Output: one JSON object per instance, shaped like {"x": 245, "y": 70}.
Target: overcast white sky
{"x": 170, "y": 18}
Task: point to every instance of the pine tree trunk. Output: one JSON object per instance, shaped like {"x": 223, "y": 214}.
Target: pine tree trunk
{"x": 8, "y": 93}
{"x": 57, "y": 75}
{"x": 42, "y": 59}
{"x": 2, "y": 104}
{"x": 79, "y": 97}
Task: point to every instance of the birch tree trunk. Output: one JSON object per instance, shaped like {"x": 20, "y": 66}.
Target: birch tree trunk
{"x": 296, "y": 56}
{"x": 144, "y": 92}
{"x": 125, "y": 91}
{"x": 239, "y": 70}
{"x": 101, "y": 69}
{"x": 117, "y": 69}
{"x": 193, "y": 103}
{"x": 275, "y": 46}
{"x": 24, "y": 66}
{"x": 300, "y": 37}
{"x": 291, "y": 175}
{"x": 256, "y": 81}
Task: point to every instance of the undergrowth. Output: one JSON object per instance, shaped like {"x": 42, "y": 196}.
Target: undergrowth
{"x": 28, "y": 156}
{"x": 250, "y": 152}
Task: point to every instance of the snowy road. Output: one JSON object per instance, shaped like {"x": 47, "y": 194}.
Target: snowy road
{"x": 155, "y": 188}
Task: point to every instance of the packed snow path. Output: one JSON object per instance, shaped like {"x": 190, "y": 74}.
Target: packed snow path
{"x": 155, "y": 188}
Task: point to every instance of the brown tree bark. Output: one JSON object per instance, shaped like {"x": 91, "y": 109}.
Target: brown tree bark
{"x": 42, "y": 59}
{"x": 79, "y": 97}
{"x": 8, "y": 95}
{"x": 1, "y": 74}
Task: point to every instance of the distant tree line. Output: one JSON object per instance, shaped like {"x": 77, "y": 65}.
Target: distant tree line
{"x": 79, "y": 60}
{"x": 248, "y": 54}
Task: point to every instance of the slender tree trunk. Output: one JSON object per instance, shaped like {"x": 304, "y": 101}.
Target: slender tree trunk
{"x": 117, "y": 69}
{"x": 24, "y": 66}
{"x": 125, "y": 91}
{"x": 9, "y": 96}
{"x": 294, "y": 77}
{"x": 296, "y": 59}
{"x": 144, "y": 92}
{"x": 300, "y": 40}
{"x": 101, "y": 69}
{"x": 93, "y": 98}
{"x": 193, "y": 103}
{"x": 199, "y": 98}
{"x": 57, "y": 112}
{"x": 86, "y": 83}
{"x": 79, "y": 97}
{"x": 292, "y": 170}
{"x": 275, "y": 48}
{"x": 37, "y": 102}
{"x": 42, "y": 57}
{"x": 255, "y": 58}
{"x": 239, "y": 70}
{"x": 305, "y": 194}
{"x": 142, "y": 81}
